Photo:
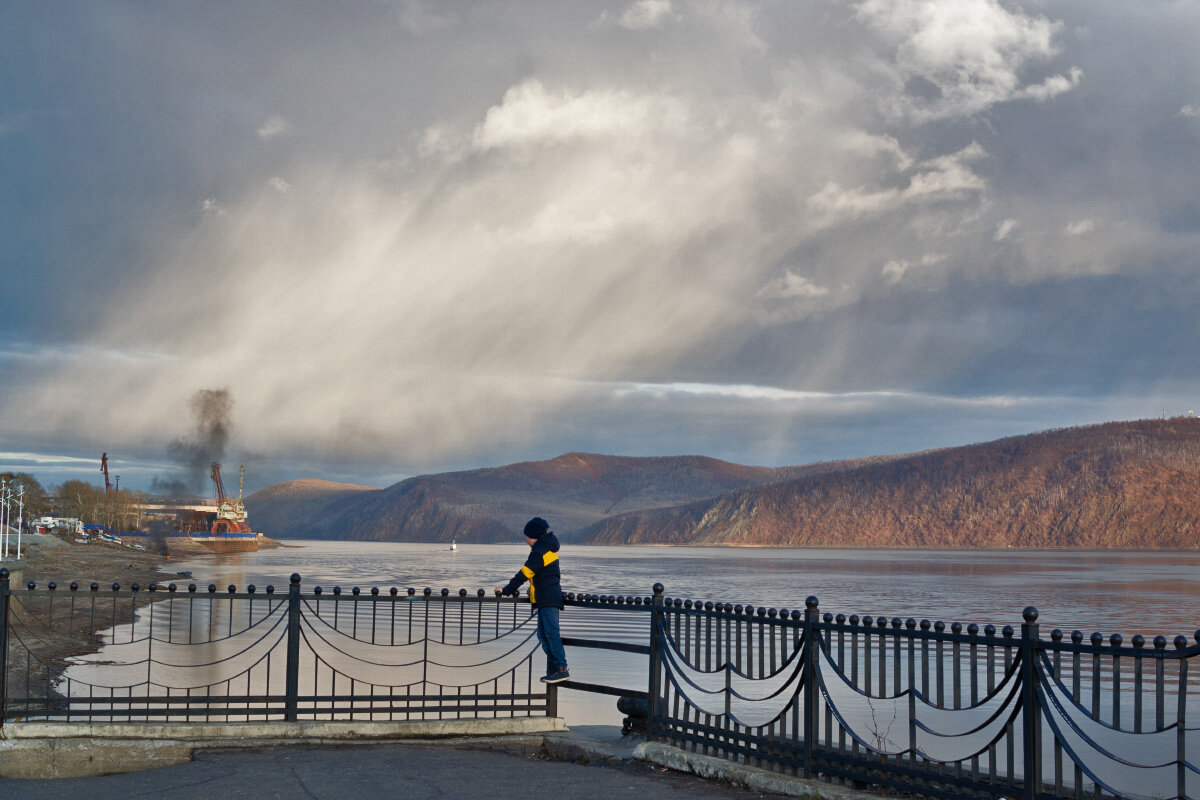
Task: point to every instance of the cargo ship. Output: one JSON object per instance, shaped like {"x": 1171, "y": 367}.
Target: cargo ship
{"x": 230, "y": 533}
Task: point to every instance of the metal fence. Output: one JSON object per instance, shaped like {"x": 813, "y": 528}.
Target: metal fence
{"x": 919, "y": 708}
{"x": 197, "y": 655}
{"x": 915, "y": 707}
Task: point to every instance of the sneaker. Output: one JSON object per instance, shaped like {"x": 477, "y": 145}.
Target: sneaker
{"x": 557, "y": 677}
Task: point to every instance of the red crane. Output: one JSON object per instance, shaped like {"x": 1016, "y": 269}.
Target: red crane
{"x": 104, "y": 469}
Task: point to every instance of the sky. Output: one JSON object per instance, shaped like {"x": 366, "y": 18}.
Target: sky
{"x": 396, "y": 237}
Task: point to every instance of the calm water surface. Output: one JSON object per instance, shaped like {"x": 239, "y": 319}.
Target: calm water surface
{"x": 1122, "y": 592}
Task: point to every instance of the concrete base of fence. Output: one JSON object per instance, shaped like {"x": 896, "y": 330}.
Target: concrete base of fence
{"x": 741, "y": 775}
{"x": 78, "y": 750}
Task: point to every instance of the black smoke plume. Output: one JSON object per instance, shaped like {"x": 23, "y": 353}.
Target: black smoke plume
{"x": 212, "y": 415}
{"x": 157, "y": 531}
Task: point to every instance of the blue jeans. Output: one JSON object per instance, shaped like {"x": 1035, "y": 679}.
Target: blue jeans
{"x": 548, "y": 636}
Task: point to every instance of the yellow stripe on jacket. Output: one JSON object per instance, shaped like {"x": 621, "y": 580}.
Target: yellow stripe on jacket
{"x": 528, "y": 573}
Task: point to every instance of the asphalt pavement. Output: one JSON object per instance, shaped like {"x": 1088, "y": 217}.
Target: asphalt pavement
{"x": 586, "y": 764}
{"x": 386, "y": 770}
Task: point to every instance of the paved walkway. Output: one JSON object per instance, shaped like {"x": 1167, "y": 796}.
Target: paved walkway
{"x": 413, "y": 772}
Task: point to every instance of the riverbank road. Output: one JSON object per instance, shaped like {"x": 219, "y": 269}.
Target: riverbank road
{"x": 362, "y": 772}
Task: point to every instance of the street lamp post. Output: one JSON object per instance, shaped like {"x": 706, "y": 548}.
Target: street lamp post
{"x": 20, "y": 518}
{"x": 4, "y": 493}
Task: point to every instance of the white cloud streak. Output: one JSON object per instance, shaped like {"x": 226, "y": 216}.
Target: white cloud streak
{"x": 274, "y": 126}
{"x": 640, "y": 16}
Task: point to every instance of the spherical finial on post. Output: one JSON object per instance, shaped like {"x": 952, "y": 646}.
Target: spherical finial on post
{"x": 812, "y": 603}
{"x": 295, "y": 579}
{"x": 1030, "y": 614}
{"x": 659, "y": 589}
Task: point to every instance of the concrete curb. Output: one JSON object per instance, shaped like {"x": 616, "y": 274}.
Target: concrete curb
{"x": 754, "y": 778}
{"x": 581, "y": 750}
{"x": 46, "y": 750}
{"x": 77, "y": 750}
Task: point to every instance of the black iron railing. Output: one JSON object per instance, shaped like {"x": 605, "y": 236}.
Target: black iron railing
{"x": 914, "y": 707}
{"x": 201, "y": 655}
{"x": 917, "y": 707}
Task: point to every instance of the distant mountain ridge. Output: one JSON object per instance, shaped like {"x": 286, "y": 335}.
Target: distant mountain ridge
{"x": 492, "y": 505}
{"x": 286, "y": 507}
{"x": 1114, "y": 485}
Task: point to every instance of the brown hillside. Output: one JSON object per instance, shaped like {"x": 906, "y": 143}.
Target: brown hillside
{"x": 1117, "y": 485}
{"x": 491, "y": 505}
{"x": 283, "y": 508}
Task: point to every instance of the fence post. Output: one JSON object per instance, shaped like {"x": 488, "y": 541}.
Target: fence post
{"x": 1031, "y": 721}
{"x": 811, "y": 616}
{"x": 292, "y": 683}
{"x": 656, "y": 604}
{"x": 4, "y": 575}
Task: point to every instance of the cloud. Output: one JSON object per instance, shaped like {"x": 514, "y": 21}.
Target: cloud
{"x": 895, "y": 270}
{"x": 1004, "y": 229}
{"x": 641, "y": 15}
{"x": 792, "y": 285}
{"x": 947, "y": 177}
{"x": 531, "y": 115}
{"x": 421, "y": 18}
{"x": 1079, "y": 227}
{"x": 1052, "y": 86}
{"x": 1190, "y": 111}
{"x": 274, "y": 126}
{"x": 972, "y": 52}
{"x": 280, "y": 185}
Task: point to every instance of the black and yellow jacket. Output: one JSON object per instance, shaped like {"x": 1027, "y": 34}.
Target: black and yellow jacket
{"x": 541, "y": 570}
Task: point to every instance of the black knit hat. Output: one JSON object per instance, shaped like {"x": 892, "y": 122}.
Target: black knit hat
{"x": 536, "y": 528}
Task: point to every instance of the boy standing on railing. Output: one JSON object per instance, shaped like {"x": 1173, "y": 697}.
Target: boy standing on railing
{"x": 541, "y": 570}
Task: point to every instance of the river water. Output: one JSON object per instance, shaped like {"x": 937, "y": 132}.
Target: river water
{"x": 1112, "y": 592}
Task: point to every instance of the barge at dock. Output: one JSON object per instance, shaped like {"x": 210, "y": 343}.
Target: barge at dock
{"x": 229, "y": 533}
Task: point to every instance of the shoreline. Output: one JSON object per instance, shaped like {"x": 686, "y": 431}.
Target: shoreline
{"x": 62, "y": 564}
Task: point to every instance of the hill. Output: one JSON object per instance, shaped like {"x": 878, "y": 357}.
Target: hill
{"x": 491, "y": 505}
{"x": 1116, "y": 485}
{"x": 283, "y": 508}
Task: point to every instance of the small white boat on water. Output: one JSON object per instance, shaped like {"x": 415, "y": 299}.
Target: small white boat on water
{"x": 453, "y": 545}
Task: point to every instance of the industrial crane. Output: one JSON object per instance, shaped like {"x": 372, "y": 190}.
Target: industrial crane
{"x": 104, "y": 469}
{"x": 231, "y": 513}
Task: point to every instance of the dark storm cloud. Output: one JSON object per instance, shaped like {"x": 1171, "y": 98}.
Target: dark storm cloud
{"x": 414, "y": 234}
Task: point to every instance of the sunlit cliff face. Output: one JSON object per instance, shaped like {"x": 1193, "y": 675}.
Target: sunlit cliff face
{"x": 497, "y": 231}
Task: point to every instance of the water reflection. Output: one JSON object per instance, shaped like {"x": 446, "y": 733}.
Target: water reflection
{"x": 221, "y": 655}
